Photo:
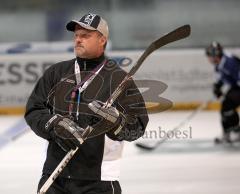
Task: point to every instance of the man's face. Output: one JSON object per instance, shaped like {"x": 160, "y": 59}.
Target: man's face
{"x": 88, "y": 43}
{"x": 214, "y": 60}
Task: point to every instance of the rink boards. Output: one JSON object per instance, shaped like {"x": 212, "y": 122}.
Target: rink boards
{"x": 182, "y": 76}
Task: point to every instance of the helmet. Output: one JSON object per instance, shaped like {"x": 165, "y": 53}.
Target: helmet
{"x": 214, "y": 50}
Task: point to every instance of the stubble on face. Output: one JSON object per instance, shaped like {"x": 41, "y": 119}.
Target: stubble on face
{"x": 79, "y": 50}
{"x": 88, "y": 43}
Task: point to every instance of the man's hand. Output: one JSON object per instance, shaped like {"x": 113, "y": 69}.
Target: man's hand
{"x": 217, "y": 90}
{"x": 65, "y": 132}
{"x": 112, "y": 119}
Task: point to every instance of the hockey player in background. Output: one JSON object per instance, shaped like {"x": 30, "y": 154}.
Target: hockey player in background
{"x": 227, "y": 69}
{"x": 54, "y": 109}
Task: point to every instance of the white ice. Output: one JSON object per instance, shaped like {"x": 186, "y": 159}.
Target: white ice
{"x": 184, "y": 166}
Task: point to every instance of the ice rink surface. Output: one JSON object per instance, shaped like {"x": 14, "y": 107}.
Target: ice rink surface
{"x": 187, "y": 165}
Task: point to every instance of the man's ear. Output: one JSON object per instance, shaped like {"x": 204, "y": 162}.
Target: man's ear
{"x": 103, "y": 40}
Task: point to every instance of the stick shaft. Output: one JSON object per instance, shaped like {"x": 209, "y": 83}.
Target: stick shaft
{"x": 57, "y": 171}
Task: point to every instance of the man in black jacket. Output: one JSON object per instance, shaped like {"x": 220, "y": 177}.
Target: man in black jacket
{"x": 57, "y": 105}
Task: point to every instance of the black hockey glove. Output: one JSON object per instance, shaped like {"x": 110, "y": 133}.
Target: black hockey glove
{"x": 65, "y": 132}
{"x": 217, "y": 90}
{"x": 111, "y": 119}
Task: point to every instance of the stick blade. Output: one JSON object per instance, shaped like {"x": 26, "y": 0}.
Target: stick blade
{"x": 147, "y": 146}
{"x": 178, "y": 34}
{"x": 175, "y": 35}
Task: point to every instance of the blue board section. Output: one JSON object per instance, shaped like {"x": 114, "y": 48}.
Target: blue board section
{"x": 13, "y": 133}
{"x": 36, "y": 47}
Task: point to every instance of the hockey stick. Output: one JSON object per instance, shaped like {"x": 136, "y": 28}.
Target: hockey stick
{"x": 179, "y": 33}
{"x": 149, "y": 146}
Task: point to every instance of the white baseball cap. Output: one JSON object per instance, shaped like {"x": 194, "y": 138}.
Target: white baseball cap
{"x": 90, "y": 21}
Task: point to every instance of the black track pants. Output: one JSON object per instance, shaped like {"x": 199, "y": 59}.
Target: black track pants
{"x": 72, "y": 186}
{"x": 229, "y": 114}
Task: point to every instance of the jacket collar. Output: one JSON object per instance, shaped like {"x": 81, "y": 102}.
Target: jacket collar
{"x": 89, "y": 64}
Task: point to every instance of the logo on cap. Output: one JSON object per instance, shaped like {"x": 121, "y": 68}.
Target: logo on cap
{"x": 89, "y": 18}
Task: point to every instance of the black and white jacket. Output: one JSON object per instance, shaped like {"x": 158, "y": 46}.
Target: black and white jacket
{"x": 98, "y": 157}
